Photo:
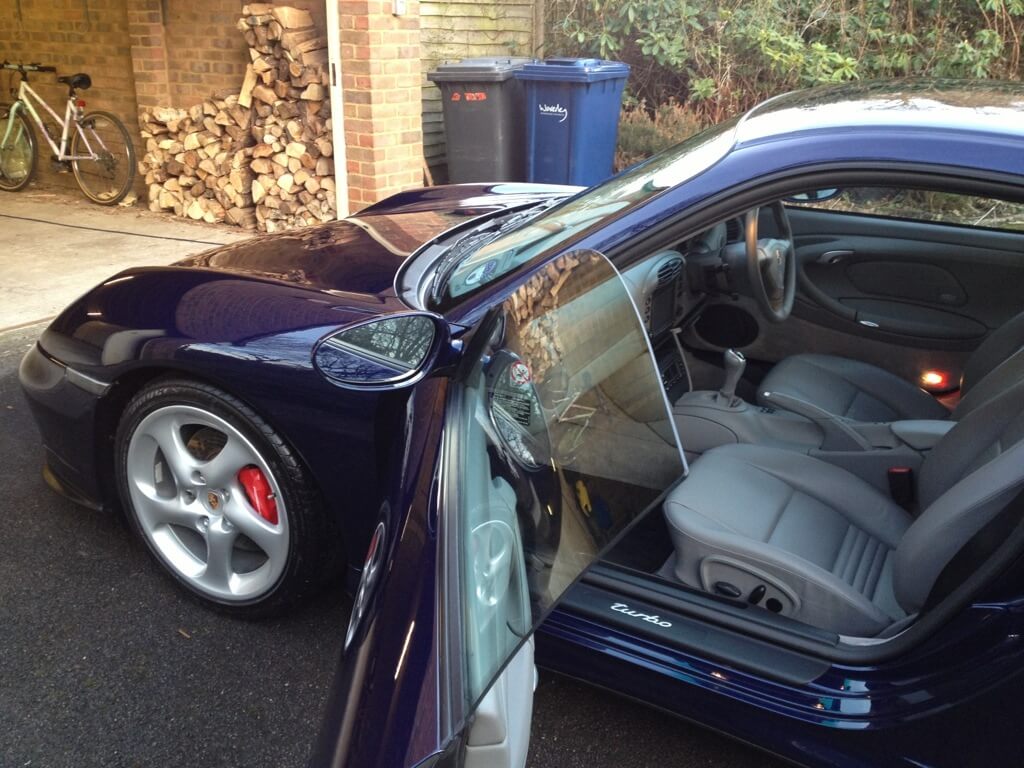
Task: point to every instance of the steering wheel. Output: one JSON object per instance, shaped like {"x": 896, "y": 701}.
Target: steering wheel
{"x": 771, "y": 265}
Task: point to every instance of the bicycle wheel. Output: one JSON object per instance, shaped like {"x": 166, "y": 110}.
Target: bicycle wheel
{"x": 17, "y": 151}
{"x": 106, "y": 179}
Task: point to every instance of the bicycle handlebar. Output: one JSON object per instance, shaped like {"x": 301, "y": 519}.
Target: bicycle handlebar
{"x": 36, "y": 67}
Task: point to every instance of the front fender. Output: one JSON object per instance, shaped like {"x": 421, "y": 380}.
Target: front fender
{"x": 252, "y": 338}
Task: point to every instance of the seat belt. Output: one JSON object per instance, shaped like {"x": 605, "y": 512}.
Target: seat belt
{"x": 901, "y": 486}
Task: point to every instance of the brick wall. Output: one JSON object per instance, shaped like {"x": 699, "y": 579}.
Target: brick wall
{"x": 74, "y": 36}
{"x": 205, "y": 51}
{"x": 380, "y": 62}
{"x": 186, "y": 51}
{"x": 145, "y": 53}
{"x": 148, "y": 51}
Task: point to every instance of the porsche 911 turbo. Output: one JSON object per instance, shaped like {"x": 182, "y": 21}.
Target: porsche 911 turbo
{"x": 738, "y": 432}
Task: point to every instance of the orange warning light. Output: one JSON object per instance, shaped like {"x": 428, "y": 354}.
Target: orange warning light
{"x": 935, "y": 381}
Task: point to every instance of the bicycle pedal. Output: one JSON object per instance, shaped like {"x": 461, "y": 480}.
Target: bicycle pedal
{"x": 58, "y": 166}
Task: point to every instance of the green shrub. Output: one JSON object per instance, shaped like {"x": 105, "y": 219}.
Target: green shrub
{"x": 721, "y": 58}
{"x": 644, "y": 132}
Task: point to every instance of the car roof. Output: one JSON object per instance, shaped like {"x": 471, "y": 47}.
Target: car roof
{"x": 989, "y": 107}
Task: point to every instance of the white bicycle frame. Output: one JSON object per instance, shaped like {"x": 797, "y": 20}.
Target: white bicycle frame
{"x": 70, "y": 117}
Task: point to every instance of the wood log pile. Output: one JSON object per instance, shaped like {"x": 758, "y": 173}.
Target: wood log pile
{"x": 197, "y": 161}
{"x": 533, "y": 312}
{"x": 261, "y": 158}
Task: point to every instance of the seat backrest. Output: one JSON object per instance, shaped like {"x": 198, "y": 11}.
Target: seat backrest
{"x": 998, "y": 380}
{"x": 966, "y": 480}
{"x": 1002, "y": 343}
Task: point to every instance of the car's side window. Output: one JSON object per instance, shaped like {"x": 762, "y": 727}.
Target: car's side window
{"x": 563, "y": 438}
{"x": 919, "y": 205}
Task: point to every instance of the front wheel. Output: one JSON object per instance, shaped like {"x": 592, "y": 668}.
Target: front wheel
{"x": 105, "y": 169}
{"x": 17, "y": 151}
{"x": 221, "y": 501}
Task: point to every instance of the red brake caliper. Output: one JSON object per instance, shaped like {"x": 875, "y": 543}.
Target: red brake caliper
{"x": 258, "y": 492}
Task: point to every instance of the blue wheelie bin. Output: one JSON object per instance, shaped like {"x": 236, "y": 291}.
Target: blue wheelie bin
{"x": 572, "y": 118}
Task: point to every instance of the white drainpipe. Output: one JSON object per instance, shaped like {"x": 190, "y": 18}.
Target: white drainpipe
{"x": 337, "y": 110}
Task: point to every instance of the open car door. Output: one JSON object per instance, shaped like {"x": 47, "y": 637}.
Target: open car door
{"x": 513, "y": 476}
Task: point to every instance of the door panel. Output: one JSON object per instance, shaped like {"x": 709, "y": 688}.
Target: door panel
{"x": 510, "y": 479}
{"x": 813, "y": 329}
{"x": 500, "y": 733}
{"x": 903, "y": 295}
{"x": 914, "y": 319}
{"x": 902, "y": 280}
{"x": 964, "y": 272}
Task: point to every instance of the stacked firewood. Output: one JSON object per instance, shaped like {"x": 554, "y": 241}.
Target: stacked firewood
{"x": 286, "y": 85}
{"x": 261, "y": 158}
{"x": 533, "y": 312}
{"x": 197, "y": 161}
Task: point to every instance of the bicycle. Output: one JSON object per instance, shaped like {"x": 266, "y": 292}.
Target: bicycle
{"x": 96, "y": 145}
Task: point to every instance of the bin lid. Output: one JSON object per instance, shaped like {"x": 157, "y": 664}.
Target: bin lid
{"x": 570, "y": 70}
{"x": 481, "y": 70}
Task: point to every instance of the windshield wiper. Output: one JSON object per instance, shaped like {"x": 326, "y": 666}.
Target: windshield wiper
{"x": 475, "y": 240}
{"x": 451, "y": 260}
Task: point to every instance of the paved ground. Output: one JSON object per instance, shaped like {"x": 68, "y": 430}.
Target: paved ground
{"x": 103, "y": 662}
{"x": 55, "y": 247}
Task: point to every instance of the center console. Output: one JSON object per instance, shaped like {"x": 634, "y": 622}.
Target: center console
{"x": 704, "y": 422}
{"x": 708, "y": 419}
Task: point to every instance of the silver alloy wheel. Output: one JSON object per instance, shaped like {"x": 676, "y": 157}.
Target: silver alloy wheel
{"x": 193, "y": 509}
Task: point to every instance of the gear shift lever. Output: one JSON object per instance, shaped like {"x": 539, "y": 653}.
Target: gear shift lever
{"x": 735, "y": 364}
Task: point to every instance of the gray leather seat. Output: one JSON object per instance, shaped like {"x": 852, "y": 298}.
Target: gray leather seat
{"x": 830, "y": 549}
{"x": 863, "y": 392}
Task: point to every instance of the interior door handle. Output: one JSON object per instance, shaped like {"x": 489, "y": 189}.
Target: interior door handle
{"x": 834, "y": 257}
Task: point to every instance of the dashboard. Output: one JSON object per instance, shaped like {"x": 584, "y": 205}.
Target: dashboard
{"x": 658, "y": 289}
{"x": 663, "y": 284}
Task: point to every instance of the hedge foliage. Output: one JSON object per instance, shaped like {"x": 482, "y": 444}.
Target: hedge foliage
{"x": 719, "y": 58}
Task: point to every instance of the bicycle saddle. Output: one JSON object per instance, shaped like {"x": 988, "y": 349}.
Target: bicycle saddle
{"x": 78, "y": 81}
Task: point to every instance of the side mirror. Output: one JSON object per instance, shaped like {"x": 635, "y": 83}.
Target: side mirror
{"x": 815, "y": 195}
{"x": 386, "y": 352}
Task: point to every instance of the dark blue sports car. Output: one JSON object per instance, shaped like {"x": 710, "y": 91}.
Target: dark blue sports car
{"x": 740, "y": 431}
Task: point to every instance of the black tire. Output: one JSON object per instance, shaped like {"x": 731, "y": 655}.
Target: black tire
{"x": 111, "y": 185}
{"x": 315, "y": 554}
{"x": 22, "y": 152}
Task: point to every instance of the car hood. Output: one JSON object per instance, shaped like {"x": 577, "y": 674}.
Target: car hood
{"x": 361, "y": 254}
{"x": 272, "y": 296}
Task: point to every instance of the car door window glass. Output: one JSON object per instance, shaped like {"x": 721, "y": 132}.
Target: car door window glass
{"x": 922, "y": 205}
{"x": 564, "y": 438}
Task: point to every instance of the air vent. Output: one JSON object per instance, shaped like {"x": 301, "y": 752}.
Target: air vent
{"x": 668, "y": 271}
{"x": 733, "y": 231}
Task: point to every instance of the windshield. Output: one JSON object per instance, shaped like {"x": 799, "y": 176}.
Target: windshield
{"x": 501, "y": 254}
{"x": 564, "y": 439}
